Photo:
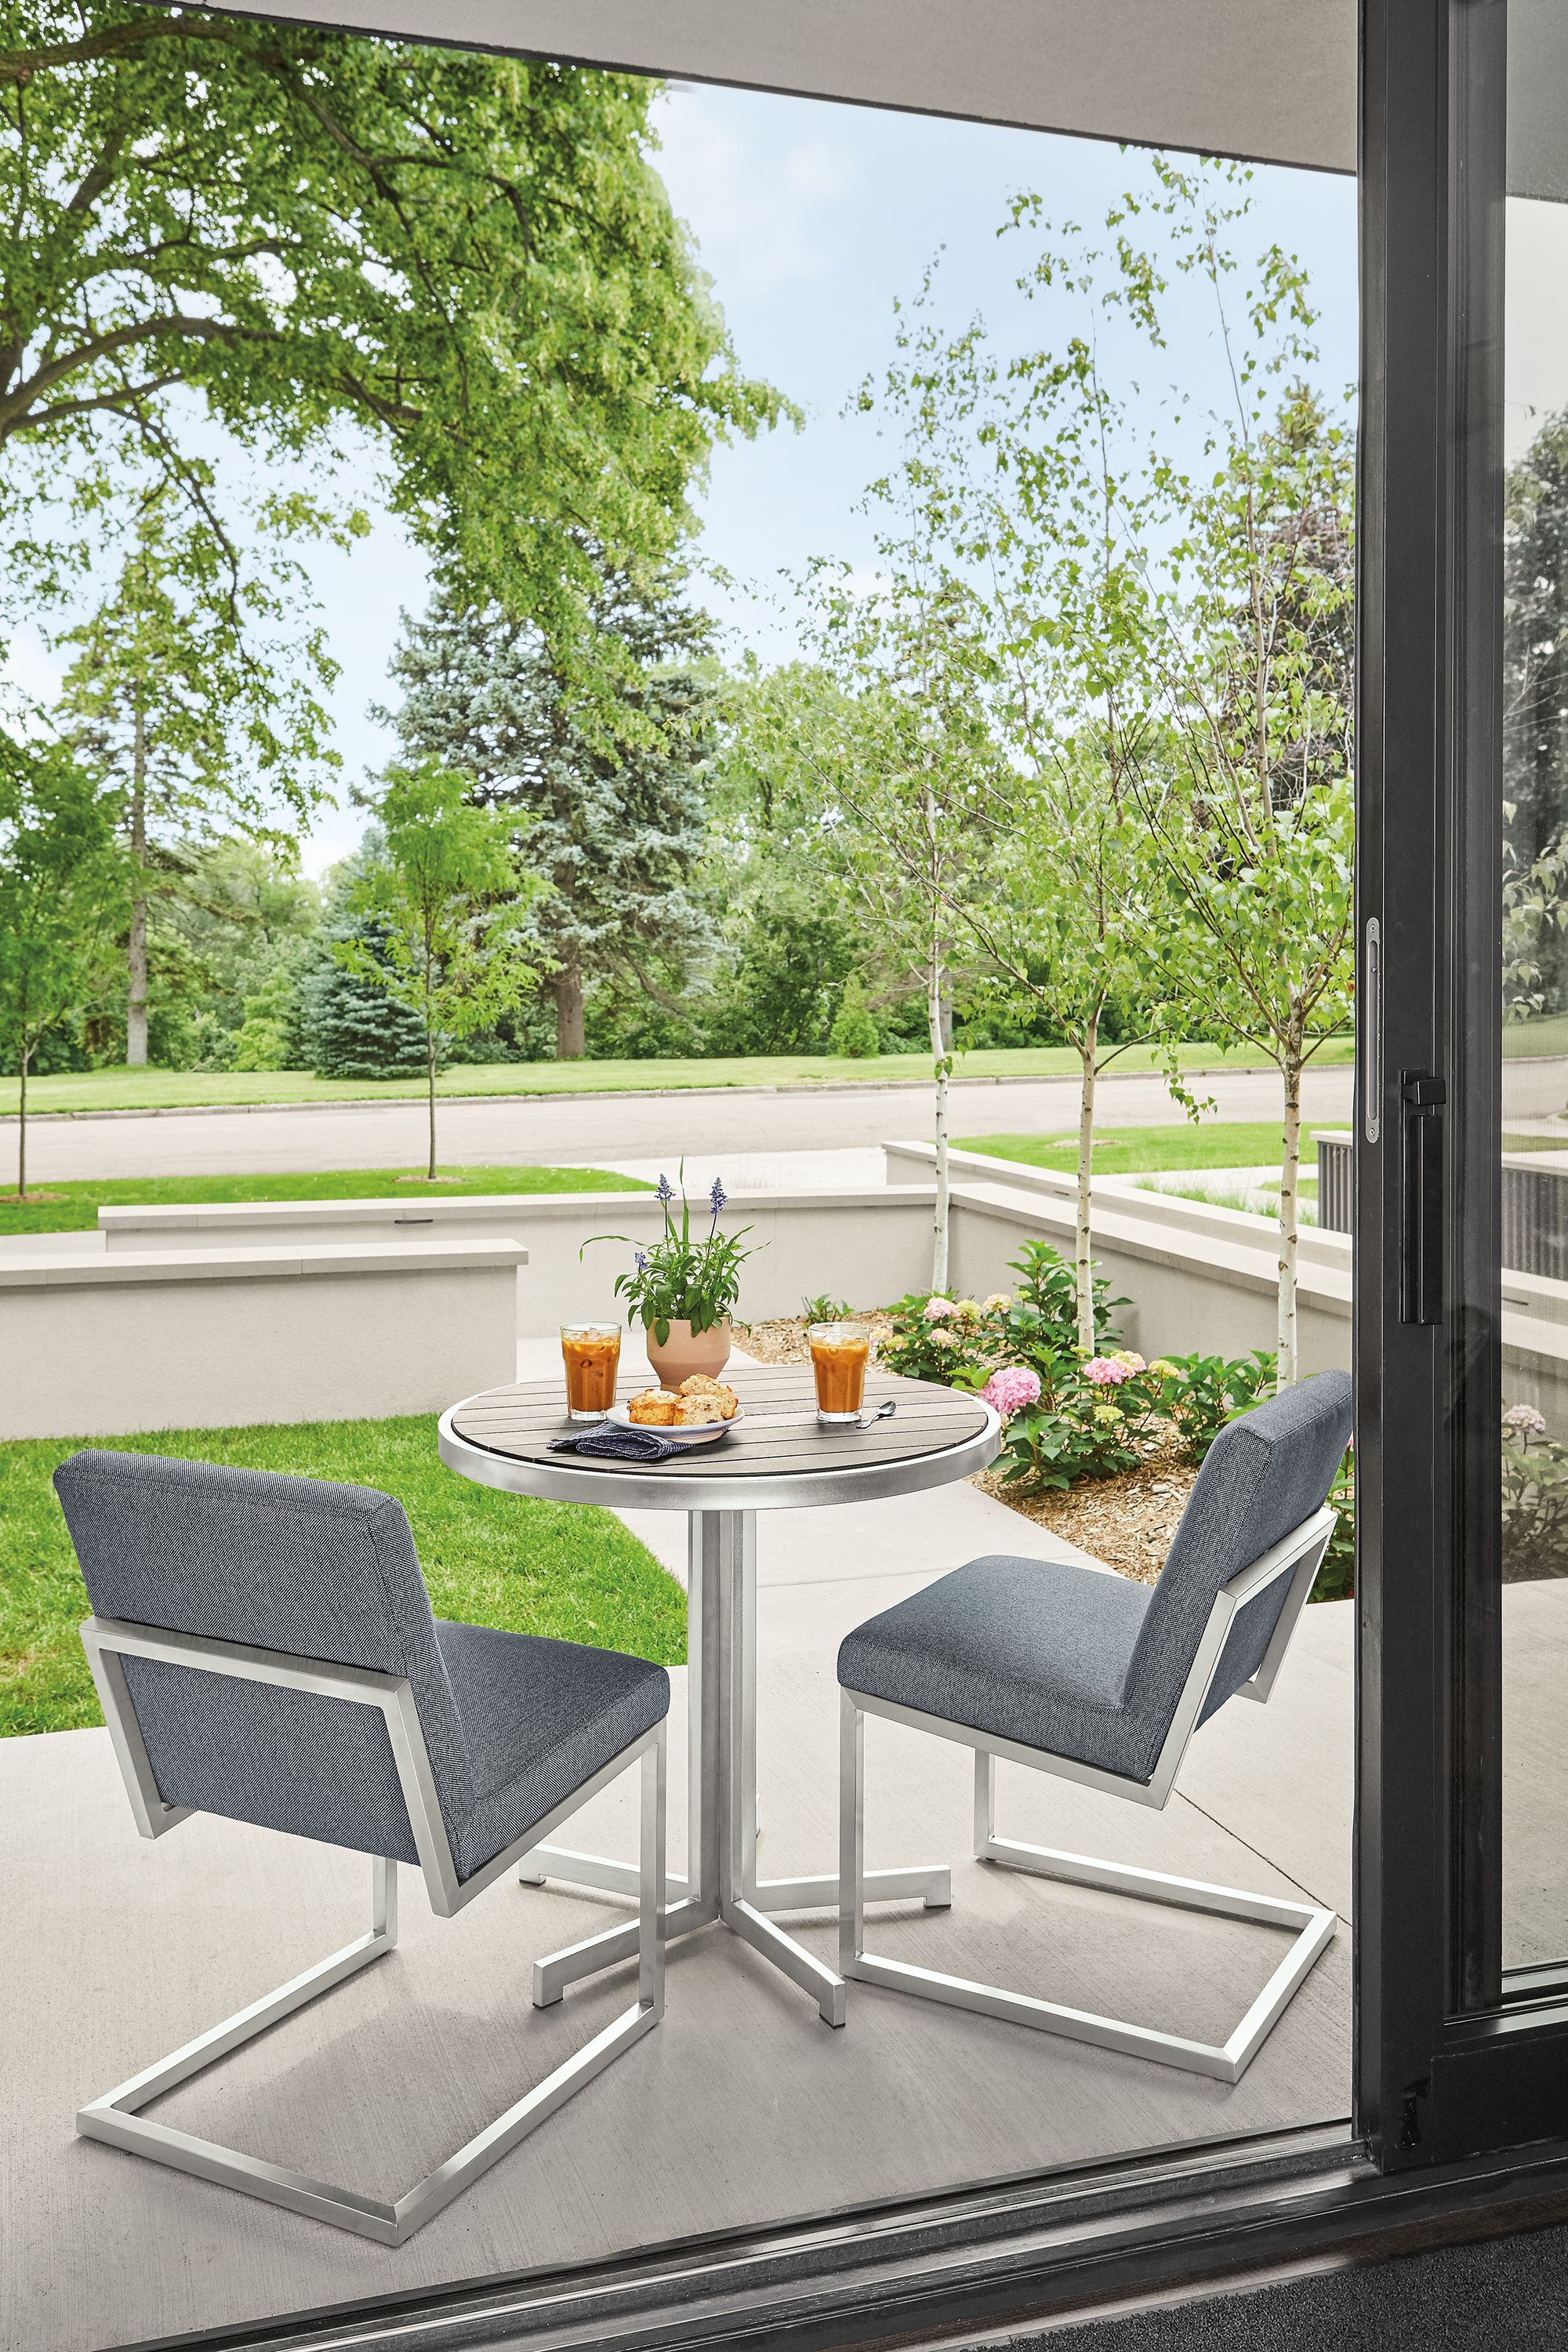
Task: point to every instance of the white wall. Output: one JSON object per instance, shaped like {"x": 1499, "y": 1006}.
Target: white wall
{"x": 156, "y": 1340}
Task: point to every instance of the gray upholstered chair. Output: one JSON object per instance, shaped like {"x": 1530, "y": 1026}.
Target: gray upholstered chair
{"x": 1076, "y": 1672}
{"x": 264, "y": 1649}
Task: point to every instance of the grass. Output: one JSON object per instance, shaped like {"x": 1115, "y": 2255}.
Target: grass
{"x": 565, "y": 1569}
{"x": 1133, "y": 1150}
{"x": 71, "y": 1208}
{"x": 124, "y": 1089}
{"x": 1220, "y": 1143}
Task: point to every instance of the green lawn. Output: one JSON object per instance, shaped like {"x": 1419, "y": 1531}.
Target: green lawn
{"x": 69, "y": 1208}
{"x": 176, "y": 1089}
{"x": 1222, "y": 1143}
{"x": 559, "y": 1569}
{"x": 1129, "y": 1150}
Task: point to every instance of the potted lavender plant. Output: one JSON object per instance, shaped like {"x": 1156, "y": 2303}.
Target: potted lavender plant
{"x": 682, "y": 1291}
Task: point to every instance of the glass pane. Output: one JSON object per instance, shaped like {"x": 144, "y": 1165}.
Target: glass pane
{"x": 1534, "y": 1144}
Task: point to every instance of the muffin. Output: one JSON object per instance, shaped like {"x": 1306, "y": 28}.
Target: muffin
{"x": 697, "y": 1411}
{"x": 699, "y": 1384}
{"x": 654, "y": 1406}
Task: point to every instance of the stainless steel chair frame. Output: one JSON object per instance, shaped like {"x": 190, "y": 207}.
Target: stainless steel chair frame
{"x": 1299, "y": 1556}
{"x": 114, "y": 2117}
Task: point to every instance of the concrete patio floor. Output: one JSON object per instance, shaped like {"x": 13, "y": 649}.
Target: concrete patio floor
{"x": 743, "y": 2108}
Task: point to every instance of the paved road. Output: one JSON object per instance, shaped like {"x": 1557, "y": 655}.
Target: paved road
{"x": 610, "y": 1130}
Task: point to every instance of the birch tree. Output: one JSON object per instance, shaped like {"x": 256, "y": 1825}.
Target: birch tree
{"x": 1058, "y": 518}
{"x": 1253, "y": 818}
{"x": 887, "y": 739}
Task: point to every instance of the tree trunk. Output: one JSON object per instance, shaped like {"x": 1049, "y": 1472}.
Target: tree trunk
{"x": 430, "y": 1079}
{"x": 569, "y": 1038}
{"x": 1290, "y": 1217}
{"x": 943, "y": 1060}
{"x": 136, "y": 991}
{"x": 1088, "y": 1049}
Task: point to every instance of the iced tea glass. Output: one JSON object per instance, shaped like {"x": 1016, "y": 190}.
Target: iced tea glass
{"x": 840, "y": 1355}
{"x": 593, "y": 1353}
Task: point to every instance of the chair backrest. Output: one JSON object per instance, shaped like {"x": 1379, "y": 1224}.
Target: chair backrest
{"x": 1262, "y": 1476}
{"x": 315, "y": 1570}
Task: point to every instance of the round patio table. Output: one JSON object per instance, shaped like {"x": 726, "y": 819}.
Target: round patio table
{"x": 778, "y": 1458}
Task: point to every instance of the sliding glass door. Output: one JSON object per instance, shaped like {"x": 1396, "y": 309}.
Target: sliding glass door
{"x": 1462, "y": 1319}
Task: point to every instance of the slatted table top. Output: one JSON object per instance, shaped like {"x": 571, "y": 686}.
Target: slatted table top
{"x": 779, "y": 1456}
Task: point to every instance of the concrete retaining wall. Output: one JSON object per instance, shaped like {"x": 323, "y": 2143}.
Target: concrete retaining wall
{"x": 165, "y": 1339}
{"x": 863, "y": 1246}
{"x": 294, "y": 1311}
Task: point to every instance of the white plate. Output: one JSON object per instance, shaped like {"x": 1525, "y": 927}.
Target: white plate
{"x": 693, "y": 1432}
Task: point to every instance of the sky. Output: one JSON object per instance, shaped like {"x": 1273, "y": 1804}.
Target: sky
{"x": 812, "y": 219}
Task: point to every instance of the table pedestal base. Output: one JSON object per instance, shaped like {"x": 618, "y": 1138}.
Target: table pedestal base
{"x": 722, "y": 1888}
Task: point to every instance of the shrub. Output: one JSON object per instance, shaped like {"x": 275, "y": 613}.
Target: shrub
{"x": 1535, "y": 1499}
{"x": 854, "y": 1033}
{"x": 1200, "y": 1393}
{"x": 1095, "y": 1425}
{"x": 1336, "y": 1577}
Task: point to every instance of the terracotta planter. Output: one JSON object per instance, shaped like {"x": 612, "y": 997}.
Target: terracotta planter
{"x": 684, "y": 1353}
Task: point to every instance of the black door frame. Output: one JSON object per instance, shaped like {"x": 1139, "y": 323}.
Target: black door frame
{"x": 1455, "y": 2055}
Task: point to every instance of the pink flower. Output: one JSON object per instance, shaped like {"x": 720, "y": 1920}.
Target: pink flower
{"x": 1525, "y": 1421}
{"x": 937, "y": 1310}
{"x": 1010, "y": 1389}
{"x": 1132, "y": 1358}
{"x": 1107, "y": 1371}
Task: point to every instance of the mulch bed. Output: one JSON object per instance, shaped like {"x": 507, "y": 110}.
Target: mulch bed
{"x": 1127, "y": 1522}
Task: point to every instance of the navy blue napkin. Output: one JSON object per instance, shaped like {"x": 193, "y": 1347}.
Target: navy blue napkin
{"x": 611, "y": 1443}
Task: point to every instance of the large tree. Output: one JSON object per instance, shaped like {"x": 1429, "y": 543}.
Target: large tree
{"x": 297, "y": 233}
{"x": 61, "y": 903}
{"x": 608, "y": 792}
{"x": 203, "y": 721}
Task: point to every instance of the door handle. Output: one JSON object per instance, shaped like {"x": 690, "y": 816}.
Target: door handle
{"x": 1422, "y": 1097}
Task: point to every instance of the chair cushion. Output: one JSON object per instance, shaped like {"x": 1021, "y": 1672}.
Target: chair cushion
{"x": 1032, "y": 1650}
{"x": 539, "y": 1719}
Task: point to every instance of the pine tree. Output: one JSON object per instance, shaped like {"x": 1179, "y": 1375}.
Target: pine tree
{"x": 610, "y": 806}
{"x": 349, "y": 1028}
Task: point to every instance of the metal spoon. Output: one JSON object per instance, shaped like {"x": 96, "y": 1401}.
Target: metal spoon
{"x": 881, "y": 1415}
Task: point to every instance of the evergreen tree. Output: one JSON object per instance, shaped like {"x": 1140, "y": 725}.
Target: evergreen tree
{"x": 609, "y": 801}
{"x": 349, "y": 1028}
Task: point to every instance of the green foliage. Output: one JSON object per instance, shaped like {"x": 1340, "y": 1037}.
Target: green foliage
{"x": 1336, "y": 1577}
{"x": 795, "y": 956}
{"x": 1535, "y": 1499}
{"x": 452, "y": 900}
{"x": 1095, "y": 1425}
{"x": 823, "y": 1310}
{"x": 854, "y": 1033}
{"x": 696, "y": 1282}
{"x": 962, "y": 1342}
{"x": 1200, "y": 1393}
{"x": 607, "y": 793}
{"x": 300, "y": 235}
{"x": 62, "y": 899}
{"x": 266, "y": 1040}
{"x": 562, "y": 1570}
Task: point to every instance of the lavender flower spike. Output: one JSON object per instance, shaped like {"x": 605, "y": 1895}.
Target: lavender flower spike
{"x": 642, "y": 1261}
{"x": 666, "y": 1191}
{"x": 716, "y": 1197}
